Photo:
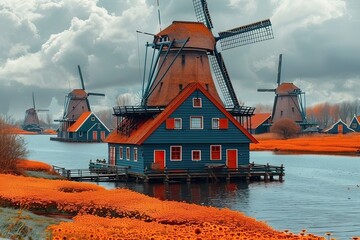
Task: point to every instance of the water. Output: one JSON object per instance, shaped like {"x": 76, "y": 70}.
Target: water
{"x": 320, "y": 193}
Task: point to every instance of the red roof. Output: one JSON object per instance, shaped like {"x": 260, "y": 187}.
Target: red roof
{"x": 258, "y": 119}
{"x": 139, "y": 135}
{"x": 286, "y": 88}
{"x": 83, "y": 117}
{"x": 200, "y": 36}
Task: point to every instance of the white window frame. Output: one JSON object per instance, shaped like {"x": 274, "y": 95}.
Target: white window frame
{"x": 192, "y": 156}
{"x": 211, "y": 157}
{"x": 201, "y": 122}
{"x": 180, "y": 123}
{"x": 127, "y": 153}
{"x": 176, "y": 160}
{"x": 213, "y": 126}
{"x": 200, "y": 101}
{"x": 136, "y": 154}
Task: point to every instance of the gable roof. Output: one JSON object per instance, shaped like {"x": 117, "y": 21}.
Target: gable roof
{"x": 82, "y": 119}
{"x": 147, "y": 127}
{"x": 258, "y": 119}
{"x": 338, "y": 122}
{"x": 355, "y": 118}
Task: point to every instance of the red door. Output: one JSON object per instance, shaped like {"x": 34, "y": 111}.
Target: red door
{"x": 231, "y": 158}
{"x": 159, "y": 159}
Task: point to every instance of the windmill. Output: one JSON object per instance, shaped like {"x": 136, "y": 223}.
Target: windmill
{"x": 31, "y": 121}
{"x": 289, "y": 100}
{"x": 77, "y": 101}
{"x": 186, "y": 51}
{"x": 76, "y": 104}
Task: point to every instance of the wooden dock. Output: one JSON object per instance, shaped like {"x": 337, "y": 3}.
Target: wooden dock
{"x": 104, "y": 172}
{"x": 111, "y": 173}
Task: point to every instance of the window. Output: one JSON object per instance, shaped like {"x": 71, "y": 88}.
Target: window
{"x": 80, "y": 134}
{"x": 196, "y": 122}
{"x": 215, "y": 123}
{"x": 127, "y": 153}
{"x": 196, "y": 155}
{"x": 135, "y": 154}
{"x": 197, "y": 103}
{"x": 102, "y": 133}
{"x": 292, "y": 109}
{"x": 215, "y": 152}
{"x": 95, "y": 135}
{"x": 177, "y": 123}
{"x": 121, "y": 153}
{"x": 112, "y": 155}
{"x": 175, "y": 153}
{"x": 92, "y": 118}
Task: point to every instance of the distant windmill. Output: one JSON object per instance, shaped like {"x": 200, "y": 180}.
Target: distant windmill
{"x": 76, "y": 111}
{"x": 31, "y": 121}
{"x": 289, "y": 100}
{"x": 77, "y": 101}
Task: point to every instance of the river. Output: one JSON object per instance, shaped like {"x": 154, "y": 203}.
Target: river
{"x": 320, "y": 193}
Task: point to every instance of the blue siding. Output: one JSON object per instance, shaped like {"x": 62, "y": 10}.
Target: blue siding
{"x": 187, "y": 163}
{"x": 134, "y": 166}
{"x": 205, "y": 135}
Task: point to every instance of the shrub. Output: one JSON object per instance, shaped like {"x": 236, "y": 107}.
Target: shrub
{"x": 12, "y": 148}
{"x": 287, "y": 128}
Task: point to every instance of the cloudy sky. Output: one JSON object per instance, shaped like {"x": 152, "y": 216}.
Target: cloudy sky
{"x": 43, "y": 41}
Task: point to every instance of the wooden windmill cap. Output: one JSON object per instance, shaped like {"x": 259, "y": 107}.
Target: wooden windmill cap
{"x": 286, "y": 88}
{"x": 79, "y": 93}
{"x": 200, "y": 35}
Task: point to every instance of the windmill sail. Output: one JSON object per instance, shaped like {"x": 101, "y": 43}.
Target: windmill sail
{"x": 251, "y": 33}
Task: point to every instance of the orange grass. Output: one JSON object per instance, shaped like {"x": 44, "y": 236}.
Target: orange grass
{"x": 31, "y": 165}
{"x": 14, "y": 130}
{"x": 124, "y": 214}
{"x": 348, "y": 144}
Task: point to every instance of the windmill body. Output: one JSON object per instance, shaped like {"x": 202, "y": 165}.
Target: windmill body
{"x": 289, "y": 102}
{"x": 180, "y": 69}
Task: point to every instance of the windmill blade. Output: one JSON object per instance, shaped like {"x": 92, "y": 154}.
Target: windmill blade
{"x": 33, "y": 98}
{"x": 266, "y": 90}
{"x": 202, "y": 13}
{"x": 81, "y": 78}
{"x": 252, "y": 33}
{"x": 96, "y": 94}
{"x": 223, "y": 79}
{"x": 279, "y": 70}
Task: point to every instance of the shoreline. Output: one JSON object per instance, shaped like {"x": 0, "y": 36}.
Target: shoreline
{"x": 123, "y": 213}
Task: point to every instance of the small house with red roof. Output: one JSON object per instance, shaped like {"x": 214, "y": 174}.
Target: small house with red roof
{"x": 87, "y": 128}
{"x": 194, "y": 131}
{"x": 259, "y": 123}
{"x": 339, "y": 127}
{"x": 355, "y": 123}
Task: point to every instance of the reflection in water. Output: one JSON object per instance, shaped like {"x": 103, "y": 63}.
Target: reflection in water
{"x": 209, "y": 194}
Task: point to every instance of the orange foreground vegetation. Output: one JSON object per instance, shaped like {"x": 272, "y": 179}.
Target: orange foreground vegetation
{"x": 31, "y": 165}
{"x": 124, "y": 214}
{"x": 348, "y": 144}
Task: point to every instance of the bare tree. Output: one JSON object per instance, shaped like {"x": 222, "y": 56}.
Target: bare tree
{"x": 12, "y": 148}
{"x": 286, "y": 128}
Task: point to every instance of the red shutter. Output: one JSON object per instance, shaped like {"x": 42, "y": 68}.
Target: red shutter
{"x": 170, "y": 123}
{"x": 223, "y": 123}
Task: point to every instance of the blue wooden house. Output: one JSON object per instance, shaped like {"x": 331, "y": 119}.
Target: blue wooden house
{"x": 87, "y": 128}
{"x": 355, "y": 123}
{"x": 194, "y": 131}
{"x": 339, "y": 128}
